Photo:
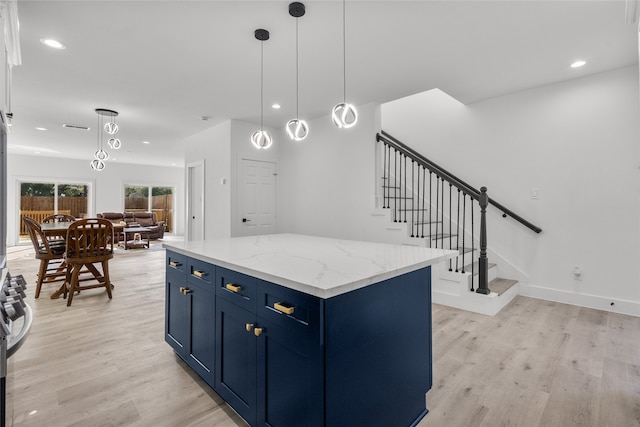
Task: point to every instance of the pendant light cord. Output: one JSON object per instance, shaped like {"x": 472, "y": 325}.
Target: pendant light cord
{"x": 261, "y": 84}
{"x": 297, "y": 99}
{"x": 344, "y": 54}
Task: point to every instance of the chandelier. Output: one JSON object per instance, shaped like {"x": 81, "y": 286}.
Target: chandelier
{"x": 111, "y": 129}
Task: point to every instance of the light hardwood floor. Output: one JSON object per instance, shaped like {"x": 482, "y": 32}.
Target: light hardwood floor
{"x": 104, "y": 362}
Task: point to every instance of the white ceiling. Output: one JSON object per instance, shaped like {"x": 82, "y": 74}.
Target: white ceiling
{"x": 164, "y": 64}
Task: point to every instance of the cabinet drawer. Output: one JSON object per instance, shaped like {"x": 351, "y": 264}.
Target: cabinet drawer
{"x": 237, "y": 288}
{"x": 200, "y": 272}
{"x": 289, "y": 308}
{"x": 176, "y": 262}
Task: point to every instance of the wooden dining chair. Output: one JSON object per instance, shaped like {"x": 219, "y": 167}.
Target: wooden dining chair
{"x": 53, "y": 267}
{"x": 89, "y": 243}
{"x": 59, "y": 218}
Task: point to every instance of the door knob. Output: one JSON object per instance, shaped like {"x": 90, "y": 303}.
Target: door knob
{"x": 246, "y": 220}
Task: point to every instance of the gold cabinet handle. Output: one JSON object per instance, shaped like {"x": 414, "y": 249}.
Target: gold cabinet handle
{"x": 174, "y": 263}
{"x": 181, "y": 290}
{"x": 257, "y": 331}
{"x": 186, "y": 291}
{"x": 199, "y": 273}
{"x": 248, "y": 327}
{"x": 286, "y": 309}
{"x": 233, "y": 288}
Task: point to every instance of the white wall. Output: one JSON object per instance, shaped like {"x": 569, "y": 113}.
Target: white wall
{"x": 213, "y": 145}
{"x": 222, "y": 147}
{"x": 108, "y": 185}
{"x": 577, "y": 143}
{"x": 326, "y": 183}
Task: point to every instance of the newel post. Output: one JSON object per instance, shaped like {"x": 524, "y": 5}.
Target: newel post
{"x": 483, "y": 262}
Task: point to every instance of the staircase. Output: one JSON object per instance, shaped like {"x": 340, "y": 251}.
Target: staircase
{"x": 424, "y": 205}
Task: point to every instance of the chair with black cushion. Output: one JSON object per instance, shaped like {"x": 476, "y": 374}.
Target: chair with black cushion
{"x": 89, "y": 243}
{"x": 50, "y": 253}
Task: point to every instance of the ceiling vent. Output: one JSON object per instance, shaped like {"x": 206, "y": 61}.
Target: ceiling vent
{"x": 67, "y": 125}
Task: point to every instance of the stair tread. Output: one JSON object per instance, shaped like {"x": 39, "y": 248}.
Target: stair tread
{"x": 500, "y": 285}
{"x": 414, "y": 209}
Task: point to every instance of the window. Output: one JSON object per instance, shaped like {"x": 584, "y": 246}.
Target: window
{"x": 41, "y": 199}
{"x": 136, "y": 199}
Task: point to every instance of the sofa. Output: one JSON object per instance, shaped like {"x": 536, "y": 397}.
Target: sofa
{"x": 144, "y": 219}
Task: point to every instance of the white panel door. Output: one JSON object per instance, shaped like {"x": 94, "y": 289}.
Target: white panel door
{"x": 258, "y": 198}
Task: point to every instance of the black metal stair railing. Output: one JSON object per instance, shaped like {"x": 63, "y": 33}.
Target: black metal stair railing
{"x": 438, "y": 207}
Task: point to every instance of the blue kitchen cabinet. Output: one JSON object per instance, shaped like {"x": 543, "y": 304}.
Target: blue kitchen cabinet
{"x": 268, "y": 363}
{"x": 190, "y": 313}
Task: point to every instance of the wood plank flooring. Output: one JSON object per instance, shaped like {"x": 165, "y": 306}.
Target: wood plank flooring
{"x": 104, "y": 362}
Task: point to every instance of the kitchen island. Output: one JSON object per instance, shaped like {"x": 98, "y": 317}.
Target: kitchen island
{"x": 296, "y": 330}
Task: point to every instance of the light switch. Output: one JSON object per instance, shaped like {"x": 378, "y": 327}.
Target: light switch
{"x": 223, "y": 181}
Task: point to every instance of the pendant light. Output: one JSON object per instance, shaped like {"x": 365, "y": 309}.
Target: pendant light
{"x": 344, "y": 115}
{"x": 261, "y": 138}
{"x": 297, "y": 129}
{"x": 101, "y": 156}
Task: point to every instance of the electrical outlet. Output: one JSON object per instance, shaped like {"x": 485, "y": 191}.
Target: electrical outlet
{"x": 535, "y": 194}
{"x": 577, "y": 273}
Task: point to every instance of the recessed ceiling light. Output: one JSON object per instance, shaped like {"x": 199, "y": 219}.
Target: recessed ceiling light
{"x": 39, "y": 128}
{"x": 146, "y": 142}
{"x": 276, "y": 106}
{"x": 578, "y": 64}
{"x": 37, "y": 152}
{"x": 53, "y": 43}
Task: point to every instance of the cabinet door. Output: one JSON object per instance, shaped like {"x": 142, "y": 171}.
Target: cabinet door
{"x": 176, "y": 320}
{"x": 290, "y": 378}
{"x": 201, "y": 317}
{"x": 235, "y": 379}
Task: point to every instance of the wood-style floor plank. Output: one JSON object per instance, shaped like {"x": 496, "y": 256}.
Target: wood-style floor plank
{"x": 104, "y": 362}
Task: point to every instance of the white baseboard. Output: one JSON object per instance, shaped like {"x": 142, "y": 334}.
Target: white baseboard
{"x": 631, "y": 308}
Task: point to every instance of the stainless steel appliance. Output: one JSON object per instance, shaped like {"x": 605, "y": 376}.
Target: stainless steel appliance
{"x": 15, "y": 323}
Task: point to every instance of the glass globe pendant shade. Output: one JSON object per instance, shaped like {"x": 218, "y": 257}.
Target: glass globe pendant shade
{"x": 114, "y": 143}
{"x": 111, "y": 128}
{"x": 261, "y": 139}
{"x": 297, "y": 129}
{"x": 344, "y": 115}
{"x": 97, "y": 164}
{"x": 101, "y": 155}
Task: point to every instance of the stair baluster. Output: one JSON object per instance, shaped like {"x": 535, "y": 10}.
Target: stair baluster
{"x": 437, "y": 206}
{"x": 413, "y": 205}
{"x": 450, "y": 229}
{"x": 395, "y": 186}
{"x": 464, "y": 231}
{"x": 473, "y": 249}
{"x": 385, "y": 180}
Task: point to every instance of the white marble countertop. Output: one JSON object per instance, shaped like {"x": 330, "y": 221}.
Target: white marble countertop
{"x": 318, "y": 266}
